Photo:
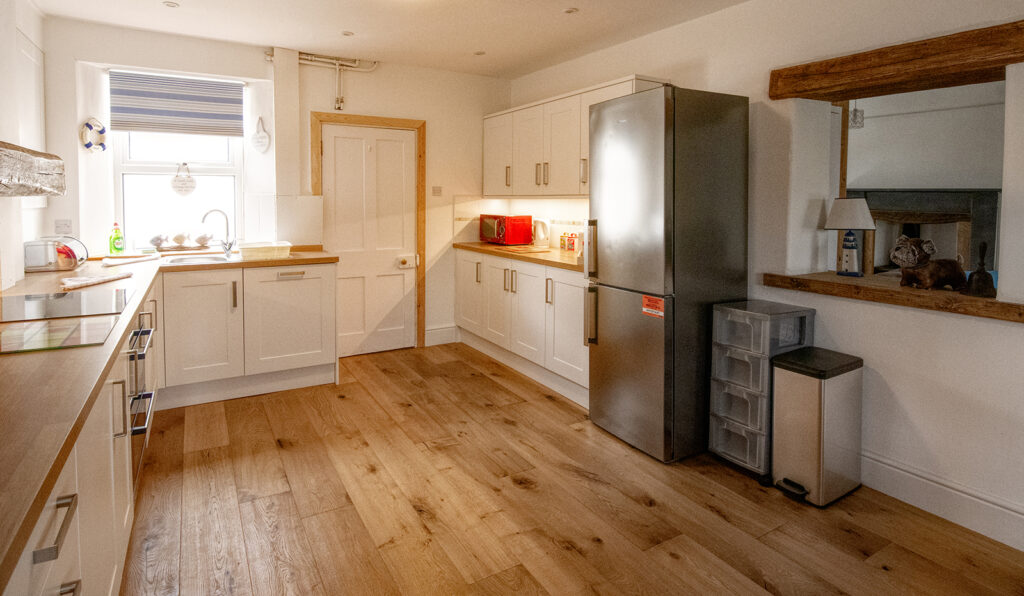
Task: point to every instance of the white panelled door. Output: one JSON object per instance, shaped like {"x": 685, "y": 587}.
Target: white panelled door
{"x": 369, "y": 186}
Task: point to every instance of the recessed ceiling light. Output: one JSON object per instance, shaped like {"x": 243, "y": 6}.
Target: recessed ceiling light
{"x": 479, "y": 53}
{"x": 170, "y": 4}
{"x": 571, "y": 10}
{"x": 347, "y": 33}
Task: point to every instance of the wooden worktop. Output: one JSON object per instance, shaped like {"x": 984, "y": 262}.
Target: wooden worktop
{"x": 45, "y": 397}
{"x": 562, "y": 259}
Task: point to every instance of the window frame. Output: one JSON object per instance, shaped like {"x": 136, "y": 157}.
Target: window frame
{"x": 124, "y": 165}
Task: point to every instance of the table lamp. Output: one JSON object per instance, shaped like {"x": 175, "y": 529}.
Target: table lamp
{"x": 849, "y": 215}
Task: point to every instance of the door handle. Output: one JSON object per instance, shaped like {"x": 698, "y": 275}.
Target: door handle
{"x": 477, "y": 271}
{"x": 508, "y": 175}
{"x": 590, "y": 249}
{"x": 548, "y": 297}
{"x": 505, "y": 279}
{"x": 124, "y": 406}
{"x": 590, "y": 316}
{"x": 50, "y": 553}
{"x": 71, "y": 588}
{"x": 547, "y": 168}
{"x": 515, "y": 281}
{"x": 234, "y": 294}
{"x": 288, "y": 275}
{"x": 584, "y": 171}
{"x": 536, "y": 174}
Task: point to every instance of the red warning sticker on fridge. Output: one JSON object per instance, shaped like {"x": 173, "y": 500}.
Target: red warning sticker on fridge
{"x": 653, "y": 307}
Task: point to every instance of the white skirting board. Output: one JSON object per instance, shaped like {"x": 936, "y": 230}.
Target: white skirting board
{"x": 201, "y": 393}
{"x": 441, "y": 335}
{"x": 985, "y": 514}
{"x": 577, "y": 393}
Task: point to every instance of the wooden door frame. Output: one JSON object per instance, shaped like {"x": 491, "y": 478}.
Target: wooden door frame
{"x": 317, "y": 122}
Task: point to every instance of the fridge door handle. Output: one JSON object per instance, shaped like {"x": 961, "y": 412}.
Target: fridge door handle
{"x": 590, "y": 249}
{"x": 590, "y": 316}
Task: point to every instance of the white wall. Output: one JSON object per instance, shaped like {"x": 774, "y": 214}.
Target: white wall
{"x": 76, "y": 55}
{"x": 942, "y": 400}
{"x": 453, "y": 106}
{"x": 942, "y": 138}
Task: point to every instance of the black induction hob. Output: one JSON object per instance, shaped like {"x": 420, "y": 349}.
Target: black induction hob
{"x": 80, "y": 303}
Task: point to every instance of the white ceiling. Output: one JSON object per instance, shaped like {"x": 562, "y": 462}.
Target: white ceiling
{"x": 518, "y": 36}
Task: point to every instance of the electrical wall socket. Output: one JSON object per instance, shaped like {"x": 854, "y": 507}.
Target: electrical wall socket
{"x": 62, "y": 227}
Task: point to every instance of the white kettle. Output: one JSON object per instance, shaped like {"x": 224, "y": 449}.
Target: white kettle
{"x": 541, "y": 232}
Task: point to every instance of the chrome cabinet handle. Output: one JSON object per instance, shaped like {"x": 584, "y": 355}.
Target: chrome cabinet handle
{"x": 548, "y": 294}
{"x": 151, "y": 319}
{"x": 156, "y": 305}
{"x": 124, "y": 408}
{"x": 536, "y": 174}
{"x": 508, "y": 175}
{"x": 150, "y": 398}
{"x": 515, "y": 281}
{"x": 584, "y": 171}
{"x": 547, "y": 167}
{"x": 590, "y": 316}
{"x": 505, "y": 279}
{"x": 590, "y": 249}
{"x": 477, "y": 271}
{"x": 234, "y": 294}
{"x": 71, "y": 588}
{"x": 290, "y": 274}
{"x": 50, "y": 553}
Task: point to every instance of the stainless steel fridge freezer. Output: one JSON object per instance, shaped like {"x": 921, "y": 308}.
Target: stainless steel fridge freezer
{"x": 667, "y": 239}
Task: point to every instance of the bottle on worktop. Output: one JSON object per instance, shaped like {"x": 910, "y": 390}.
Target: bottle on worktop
{"x": 116, "y": 240}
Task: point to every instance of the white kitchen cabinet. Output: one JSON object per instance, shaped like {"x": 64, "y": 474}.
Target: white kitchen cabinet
{"x": 528, "y": 151}
{"x": 565, "y": 352}
{"x": 289, "y": 317}
{"x": 586, "y": 100}
{"x": 62, "y": 566}
{"x": 527, "y": 324}
{"x": 151, "y": 317}
{"x": 469, "y": 291}
{"x": 498, "y": 155}
{"x": 560, "y": 173}
{"x": 203, "y": 326}
{"x": 497, "y": 277}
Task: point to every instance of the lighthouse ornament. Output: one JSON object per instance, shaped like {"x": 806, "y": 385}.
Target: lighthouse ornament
{"x": 851, "y": 263}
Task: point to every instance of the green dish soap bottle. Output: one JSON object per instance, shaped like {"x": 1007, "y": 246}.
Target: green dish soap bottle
{"x": 116, "y": 240}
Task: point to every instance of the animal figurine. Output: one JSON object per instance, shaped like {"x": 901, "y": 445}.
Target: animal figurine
{"x": 980, "y": 282}
{"x": 914, "y": 255}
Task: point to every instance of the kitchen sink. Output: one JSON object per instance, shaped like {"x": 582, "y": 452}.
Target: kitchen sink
{"x": 198, "y": 259}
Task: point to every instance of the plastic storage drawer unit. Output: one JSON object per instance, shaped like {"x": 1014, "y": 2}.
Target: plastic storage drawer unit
{"x": 746, "y": 407}
{"x": 816, "y": 418}
{"x": 763, "y": 327}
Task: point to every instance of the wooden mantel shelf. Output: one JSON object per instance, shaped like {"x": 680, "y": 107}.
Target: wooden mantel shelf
{"x": 886, "y": 289}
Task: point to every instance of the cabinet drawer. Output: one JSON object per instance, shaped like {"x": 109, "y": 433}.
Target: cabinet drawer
{"x": 747, "y": 370}
{"x": 746, "y": 407}
{"x": 739, "y": 444}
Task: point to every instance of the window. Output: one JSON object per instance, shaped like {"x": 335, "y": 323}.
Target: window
{"x": 147, "y": 206}
{"x": 160, "y": 123}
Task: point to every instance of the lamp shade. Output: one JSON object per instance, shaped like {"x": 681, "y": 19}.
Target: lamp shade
{"x": 850, "y": 214}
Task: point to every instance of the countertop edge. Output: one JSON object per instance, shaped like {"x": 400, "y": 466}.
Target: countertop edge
{"x": 526, "y": 257}
{"x": 14, "y": 548}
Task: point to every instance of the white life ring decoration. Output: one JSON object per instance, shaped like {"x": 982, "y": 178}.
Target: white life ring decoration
{"x": 93, "y": 135}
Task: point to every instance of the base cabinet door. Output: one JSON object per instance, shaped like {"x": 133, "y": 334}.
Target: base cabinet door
{"x": 565, "y": 353}
{"x": 469, "y": 291}
{"x": 203, "y": 326}
{"x": 497, "y": 277}
{"x": 289, "y": 317}
{"x": 527, "y": 326}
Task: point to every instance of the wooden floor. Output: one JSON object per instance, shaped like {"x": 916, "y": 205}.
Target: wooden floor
{"x": 440, "y": 471}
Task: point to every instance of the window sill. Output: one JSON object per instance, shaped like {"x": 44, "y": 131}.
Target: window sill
{"x": 887, "y": 290}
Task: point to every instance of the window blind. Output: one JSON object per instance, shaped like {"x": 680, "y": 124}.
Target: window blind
{"x": 153, "y": 103}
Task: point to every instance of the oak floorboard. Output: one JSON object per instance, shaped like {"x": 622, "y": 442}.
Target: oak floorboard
{"x": 279, "y": 555}
{"x": 151, "y": 568}
{"x": 440, "y": 471}
{"x": 314, "y": 483}
{"x": 254, "y": 457}
{"x": 213, "y": 555}
{"x": 346, "y": 556}
{"x": 206, "y": 427}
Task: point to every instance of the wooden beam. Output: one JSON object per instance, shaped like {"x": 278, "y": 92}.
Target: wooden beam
{"x": 976, "y": 56}
{"x": 886, "y": 289}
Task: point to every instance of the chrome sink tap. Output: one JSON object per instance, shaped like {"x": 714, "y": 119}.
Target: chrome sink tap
{"x": 228, "y": 243}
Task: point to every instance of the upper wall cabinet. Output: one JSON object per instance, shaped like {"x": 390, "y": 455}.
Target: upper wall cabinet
{"x": 543, "y": 148}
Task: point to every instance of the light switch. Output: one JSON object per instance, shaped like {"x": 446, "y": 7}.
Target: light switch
{"x": 435, "y": 191}
{"x": 62, "y": 227}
